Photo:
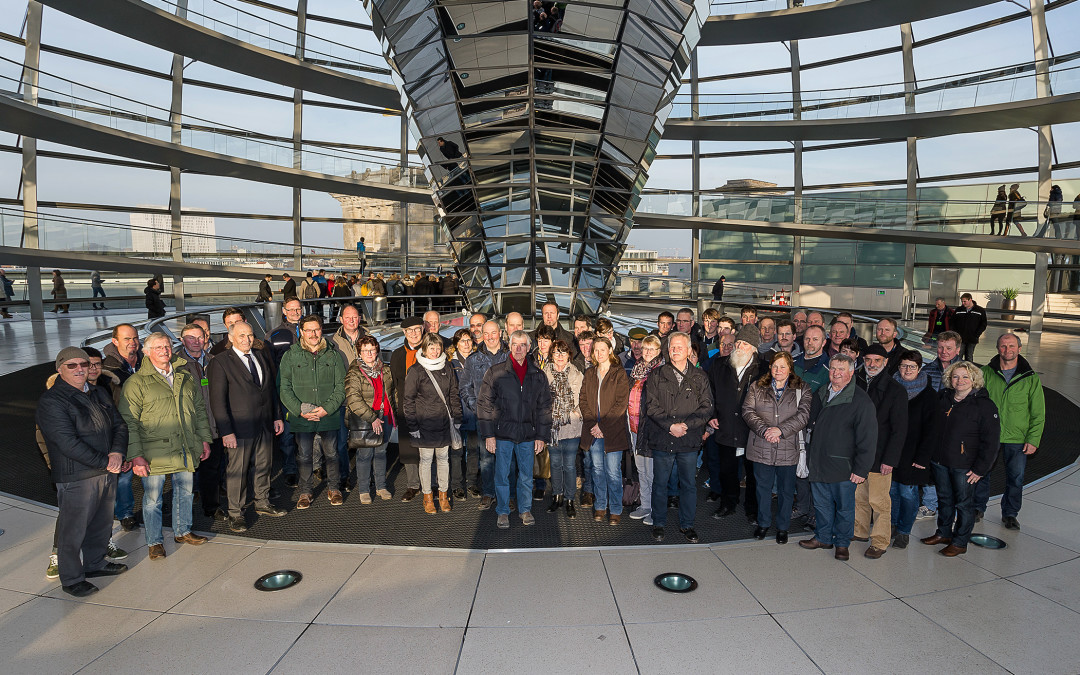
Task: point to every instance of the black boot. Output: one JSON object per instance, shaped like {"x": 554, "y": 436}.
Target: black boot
{"x": 570, "y": 512}
{"x": 556, "y": 502}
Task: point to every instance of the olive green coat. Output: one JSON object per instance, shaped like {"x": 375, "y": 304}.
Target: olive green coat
{"x": 166, "y": 425}
{"x": 317, "y": 378}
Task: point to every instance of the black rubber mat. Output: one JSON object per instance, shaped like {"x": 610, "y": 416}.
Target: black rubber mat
{"x": 23, "y": 473}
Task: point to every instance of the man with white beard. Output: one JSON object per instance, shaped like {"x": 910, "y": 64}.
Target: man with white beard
{"x": 730, "y": 380}
{"x": 872, "y": 496}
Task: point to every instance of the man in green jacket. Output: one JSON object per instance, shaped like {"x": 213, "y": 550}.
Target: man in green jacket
{"x": 1016, "y": 390}
{"x": 312, "y": 390}
{"x": 168, "y": 435}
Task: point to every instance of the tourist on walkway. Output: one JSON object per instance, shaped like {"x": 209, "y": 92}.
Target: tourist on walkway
{"x": 59, "y": 292}
{"x": 155, "y": 306}
{"x": 777, "y": 410}
{"x": 369, "y": 393}
{"x": 86, "y": 440}
{"x": 920, "y": 441}
{"x": 565, "y": 381}
{"x": 678, "y": 405}
{"x": 514, "y": 419}
{"x": 650, "y": 360}
{"x": 605, "y": 395}
{"x": 168, "y": 435}
{"x": 432, "y": 407}
{"x": 843, "y": 441}
{"x": 1016, "y": 390}
{"x": 970, "y": 322}
{"x": 966, "y": 450}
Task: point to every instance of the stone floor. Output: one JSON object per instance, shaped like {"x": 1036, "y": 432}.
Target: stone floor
{"x": 760, "y": 607}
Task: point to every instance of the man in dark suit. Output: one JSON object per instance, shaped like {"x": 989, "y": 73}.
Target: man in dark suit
{"x": 243, "y": 396}
{"x": 288, "y": 290}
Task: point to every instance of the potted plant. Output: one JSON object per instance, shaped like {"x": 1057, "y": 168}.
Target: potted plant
{"x": 1008, "y": 301}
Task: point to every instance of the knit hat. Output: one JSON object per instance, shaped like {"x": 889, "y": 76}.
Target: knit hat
{"x": 69, "y": 353}
{"x": 749, "y": 334}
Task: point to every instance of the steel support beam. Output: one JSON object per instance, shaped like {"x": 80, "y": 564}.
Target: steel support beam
{"x": 907, "y": 43}
{"x": 298, "y": 146}
{"x": 32, "y": 61}
{"x": 176, "y": 122}
{"x": 797, "y": 166}
{"x": 1046, "y": 144}
{"x": 695, "y": 183}
{"x": 16, "y": 255}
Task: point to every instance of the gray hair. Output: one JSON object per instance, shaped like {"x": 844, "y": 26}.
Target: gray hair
{"x": 843, "y": 358}
{"x": 677, "y": 334}
{"x": 154, "y": 338}
{"x": 521, "y": 335}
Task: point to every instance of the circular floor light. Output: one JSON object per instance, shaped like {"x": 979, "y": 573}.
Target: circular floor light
{"x": 280, "y": 580}
{"x": 675, "y": 582}
{"x": 986, "y": 541}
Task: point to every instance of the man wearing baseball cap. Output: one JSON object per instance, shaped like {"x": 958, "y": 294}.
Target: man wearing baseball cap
{"x": 87, "y": 440}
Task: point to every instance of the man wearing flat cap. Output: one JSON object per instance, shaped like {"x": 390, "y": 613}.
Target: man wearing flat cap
{"x": 872, "y": 496}
{"x": 730, "y": 379}
{"x": 403, "y": 358}
{"x": 631, "y": 356}
{"x": 87, "y": 440}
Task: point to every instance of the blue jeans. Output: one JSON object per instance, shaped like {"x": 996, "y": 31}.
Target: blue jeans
{"x": 506, "y": 453}
{"x": 1015, "y": 463}
{"x": 564, "y": 468}
{"x": 607, "y": 478}
{"x": 487, "y": 469}
{"x": 181, "y": 504}
{"x": 98, "y": 292}
{"x": 929, "y": 497}
{"x": 663, "y": 463}
{"x": 368, "y": 459}
{"x": 587, "y": 473}
{"x": 834, "y": 508}
{"x": 288, "y": 447}
{"x": 125, "y": 499}
{"x": 956, "y": 506}
{"x": 905, "y": 506}
{"x": 785, "y": 494}
{"x": 343, "y": 448}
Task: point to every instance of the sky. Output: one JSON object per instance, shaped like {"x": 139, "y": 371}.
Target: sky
{"x": 72, "y": 181}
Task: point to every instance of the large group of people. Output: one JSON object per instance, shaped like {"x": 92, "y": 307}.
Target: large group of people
{"x": 787, "y": 417}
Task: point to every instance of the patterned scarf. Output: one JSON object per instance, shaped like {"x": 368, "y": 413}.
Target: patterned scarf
{"x": 914, "y": 387}
{"x": 562, "y": 401}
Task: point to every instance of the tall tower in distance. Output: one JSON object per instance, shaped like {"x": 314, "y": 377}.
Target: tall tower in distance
{"x": 380, "y": 224}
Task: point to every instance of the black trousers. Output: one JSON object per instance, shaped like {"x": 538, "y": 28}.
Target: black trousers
{"x": 249, "y": 463}
{"x": 729, "y": 480}
{"x": 209, "y": 475}
{"x": 84, "y": 525}
{"x": 969, "y": 352}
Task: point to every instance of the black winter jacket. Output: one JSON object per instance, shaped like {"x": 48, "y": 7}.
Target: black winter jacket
{"x": 729, "y": 393}
{"x": 155, "y": 306}
{"x": 844, "y": 435}
{"x": 80, "y": 431}
{"x": 923, "y": 436}
{"x": 508, "y": 410}
{"x": 890, "y": 404}
{"x": 425, "y": 411}
{"x": 970, "y": 432}
{"x": 668, "y": 402}
{"x": 970, "y": 323}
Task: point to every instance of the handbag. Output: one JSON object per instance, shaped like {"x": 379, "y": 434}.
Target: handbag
{"x": 803, "y": 470}
{"x": 455, "y": 434}
{"x": 361, "y": 433}
{"x": 542, "y": 464}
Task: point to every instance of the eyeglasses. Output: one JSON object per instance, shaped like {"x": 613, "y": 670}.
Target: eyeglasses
{"x": 163, "y": 348}
{"x": 369, "y": 351}
{"x": 310, "y": 331}
{"x": 907, "y": 367}
{"x": 77, "y": 365}
{"x": 95, "y": 366}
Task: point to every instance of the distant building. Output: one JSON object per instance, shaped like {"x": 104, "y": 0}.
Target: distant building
{"x": 639, "y": 261}
{"x": 152, "y": 232}
{"x": 749, "y": 186}
{"x": 382, "y": 231}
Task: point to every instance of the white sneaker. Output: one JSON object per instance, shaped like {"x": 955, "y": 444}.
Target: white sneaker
{"x": 641, "y": 512}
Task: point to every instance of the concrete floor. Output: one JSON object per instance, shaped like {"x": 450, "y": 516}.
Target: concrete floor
{"x": 760, "y": 607}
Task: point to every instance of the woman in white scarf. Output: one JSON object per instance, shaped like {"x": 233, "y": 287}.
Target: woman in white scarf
{"x": 431, "y": 407}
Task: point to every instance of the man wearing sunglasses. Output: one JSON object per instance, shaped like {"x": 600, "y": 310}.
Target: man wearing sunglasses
{"x": 87, "y": 441}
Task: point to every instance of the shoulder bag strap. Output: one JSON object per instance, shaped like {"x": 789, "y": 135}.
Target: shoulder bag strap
{"x": 438, "y": 391}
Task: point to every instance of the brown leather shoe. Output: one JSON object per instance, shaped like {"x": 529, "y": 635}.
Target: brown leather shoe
{"x": 304, "y": 502}
{"x": 409, "y": 494}
{"x": 598, "y": 516}
{"x": 335, "y": 497}
{"x": 841, "y": 553}
{"x": 935, "y": 539}
{"x": 190, "y": 538}
{"x": 614, "y": 519}
{"x": 444, "y": 502}
{"x": 157, "y": 551}
{"x": 429, "y": 504}
{"x": 813, "y": 543}
{"x": 952, "y": 551}
{"x": 874, "y": 552}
